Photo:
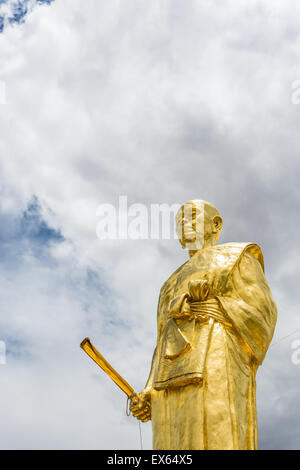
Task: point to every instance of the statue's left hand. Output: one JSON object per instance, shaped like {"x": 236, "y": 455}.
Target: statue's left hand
{"x": 140, "y": 406}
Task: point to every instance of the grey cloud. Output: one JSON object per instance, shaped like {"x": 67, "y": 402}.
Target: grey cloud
{"x": 163, "y": 102}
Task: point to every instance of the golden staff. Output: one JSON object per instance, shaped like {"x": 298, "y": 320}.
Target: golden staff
{"x": 90, "y": 349}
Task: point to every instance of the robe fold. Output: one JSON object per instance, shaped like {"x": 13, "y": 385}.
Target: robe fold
{"x": 203, "y": 374}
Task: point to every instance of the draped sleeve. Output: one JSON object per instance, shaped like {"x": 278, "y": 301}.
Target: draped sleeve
{"x": 248, "y": 302}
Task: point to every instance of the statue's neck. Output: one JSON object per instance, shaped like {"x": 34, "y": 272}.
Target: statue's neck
{"x": 208, "y": 244}
{"x": 193, "y": 252}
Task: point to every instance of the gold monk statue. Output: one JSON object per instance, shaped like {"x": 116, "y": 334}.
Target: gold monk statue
{"x": 215, "y": 321}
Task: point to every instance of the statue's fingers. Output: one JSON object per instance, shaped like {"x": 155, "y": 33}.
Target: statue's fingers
{"x": 145, "y": 414}
{"x": 139, "y": 413}
{"x": 142, "y": 415}
{"x": 135, "y": 400}
{"x": 146, "y": 418}
{"x": 140, "y": 418}
{"x": 135, "y": 407}
{"x": 136, "y": 413}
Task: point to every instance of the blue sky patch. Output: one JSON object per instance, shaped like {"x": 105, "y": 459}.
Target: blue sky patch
{"x": 33, "y": 226}
{"x": 27, "y": 233}
{"x": 15, "y": 12}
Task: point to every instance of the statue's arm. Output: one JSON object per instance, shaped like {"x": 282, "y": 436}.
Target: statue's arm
{"x": 250, "y": 306}
{"x": 149, "y": 382}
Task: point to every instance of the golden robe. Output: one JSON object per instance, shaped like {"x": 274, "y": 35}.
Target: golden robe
{"x": 203, "y": 371}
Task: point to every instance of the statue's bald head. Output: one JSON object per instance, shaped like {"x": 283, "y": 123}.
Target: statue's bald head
{"x": 198, "y": 224}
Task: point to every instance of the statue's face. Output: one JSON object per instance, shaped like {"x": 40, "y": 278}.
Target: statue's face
{"x": 195, "y": 227}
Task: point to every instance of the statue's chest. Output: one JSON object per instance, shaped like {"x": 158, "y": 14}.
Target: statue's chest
{"x": 214, "y": 268}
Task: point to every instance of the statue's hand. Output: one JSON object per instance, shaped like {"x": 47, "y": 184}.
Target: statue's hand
{"x": 140, "y": 406}
{"x": 198, "y": 290}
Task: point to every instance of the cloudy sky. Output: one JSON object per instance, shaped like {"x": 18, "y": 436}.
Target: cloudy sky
{"x": 161, "y": 101}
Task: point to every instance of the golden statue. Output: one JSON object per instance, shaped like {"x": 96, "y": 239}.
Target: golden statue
{"x": 215, "y": 321}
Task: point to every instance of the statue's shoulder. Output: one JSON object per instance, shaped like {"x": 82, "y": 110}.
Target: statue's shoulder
{"x": 238, "y": 250}
{"x": 172, "y": 279}
{"x": 227, "y": 256}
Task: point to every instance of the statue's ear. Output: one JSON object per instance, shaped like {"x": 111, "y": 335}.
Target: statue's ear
{"x": 217, "y": 220}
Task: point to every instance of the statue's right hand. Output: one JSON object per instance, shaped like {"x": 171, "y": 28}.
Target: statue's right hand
{"x": 140, "y": 406}
{"x": 198, "y": 290}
